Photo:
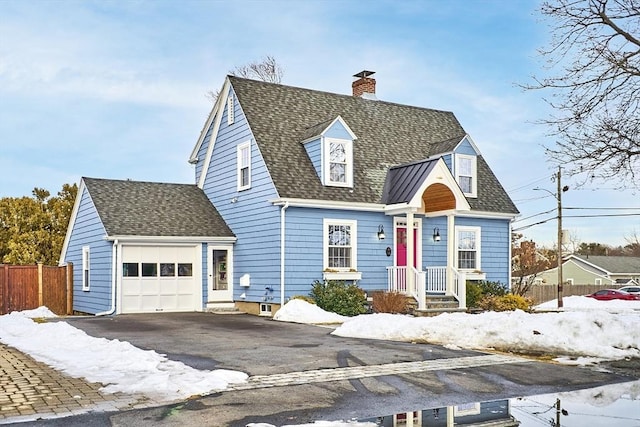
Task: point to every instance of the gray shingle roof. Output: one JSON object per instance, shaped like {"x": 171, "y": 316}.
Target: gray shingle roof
{"x": 614, "y": 264}
{"x": 387, "y": 134}
{"x": 134, "y": 208}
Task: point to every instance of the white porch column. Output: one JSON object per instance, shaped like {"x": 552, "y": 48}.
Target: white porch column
{"x": 451, "y": 252}
{"x": 411, "y": 249}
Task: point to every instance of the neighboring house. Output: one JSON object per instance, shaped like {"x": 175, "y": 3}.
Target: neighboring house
{"x": 310, "y": 186}
{"x": 605, "y": 271}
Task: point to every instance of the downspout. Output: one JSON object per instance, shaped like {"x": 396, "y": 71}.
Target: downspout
{"x": 114, "y": 274}
{"x": 283, "y": 208}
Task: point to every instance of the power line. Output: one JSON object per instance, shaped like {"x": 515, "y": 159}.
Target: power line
{"x": 534, "y": 215}
{"x": 603, "y": 209}
{"x": 525, "y": 186}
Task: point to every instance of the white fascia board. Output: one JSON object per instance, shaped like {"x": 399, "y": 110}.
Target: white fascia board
{"x": 473, "y": 144}
{"x": 72, "y": 221}
{"x": 484, "y": 214}
{"x": 171, "y": 239}
{"x": 329, "y": 204}
{"x": 217, "y": 113}
{"x": 441, "y": 175}
{"x": 194, "y": 154}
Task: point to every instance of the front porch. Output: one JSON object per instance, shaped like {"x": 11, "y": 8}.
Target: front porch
{"x": 429, "y": 286}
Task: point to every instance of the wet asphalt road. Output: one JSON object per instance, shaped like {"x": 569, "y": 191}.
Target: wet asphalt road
{"x": 261, "y": 346}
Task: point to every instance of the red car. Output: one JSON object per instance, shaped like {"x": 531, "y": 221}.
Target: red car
{"x": 610, "y": 294}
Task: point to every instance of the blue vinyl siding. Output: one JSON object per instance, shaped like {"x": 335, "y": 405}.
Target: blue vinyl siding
{"x": 434, "y": 254}
{"x": 337, "y": 130}
{"x": 447, "y": 161}
{"x": 314, "y": 151}
{"x": 494, "y": 246}
{"x": 249, "y": 214}
{"x": 304, "y": 246}
{"x": 465, "y": 147}
{"x": 89, "y": 231}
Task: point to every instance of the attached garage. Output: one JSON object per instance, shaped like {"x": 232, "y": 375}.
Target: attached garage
{"x": 160, "y": 279}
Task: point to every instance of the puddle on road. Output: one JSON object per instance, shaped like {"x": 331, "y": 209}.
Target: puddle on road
{"x": 612, "y": 405}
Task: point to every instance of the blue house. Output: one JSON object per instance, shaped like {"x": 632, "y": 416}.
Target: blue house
{"x": 292, "y": 186}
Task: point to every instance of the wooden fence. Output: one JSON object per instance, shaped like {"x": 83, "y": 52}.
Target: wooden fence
{"x": 544, "y": 293}
{"x": 25, "y": 287}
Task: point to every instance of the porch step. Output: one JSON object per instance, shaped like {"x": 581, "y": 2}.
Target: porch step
{"x": 441, "y": 302}
{"x": 438, "y": 304}
{"x": 223, "y": 308}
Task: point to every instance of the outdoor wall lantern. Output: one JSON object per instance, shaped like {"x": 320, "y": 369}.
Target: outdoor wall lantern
{"x": 436, "y": 234}
{"x": 381, "y": 235}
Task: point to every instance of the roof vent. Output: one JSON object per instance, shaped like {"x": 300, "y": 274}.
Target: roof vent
{"x": 364, "y": 86}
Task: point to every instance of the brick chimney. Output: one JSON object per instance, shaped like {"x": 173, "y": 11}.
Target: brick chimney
{"x": 364, "y": 86}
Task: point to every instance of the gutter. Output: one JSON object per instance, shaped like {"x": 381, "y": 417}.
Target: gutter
{"x": 114, "y": 253}
{"x": 283, "y": 208}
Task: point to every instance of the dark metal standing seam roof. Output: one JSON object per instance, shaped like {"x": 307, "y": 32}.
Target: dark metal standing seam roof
{"x": 388, "y": 134}
{"x": 135, "y": 208}
{"x": 403, "y": 181}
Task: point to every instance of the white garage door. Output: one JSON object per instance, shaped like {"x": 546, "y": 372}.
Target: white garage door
{"x": 160, "y": 278}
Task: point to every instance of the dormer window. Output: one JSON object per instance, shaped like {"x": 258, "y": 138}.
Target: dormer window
{"x": 339, "y": 165}
{"x": 466, "y": 174}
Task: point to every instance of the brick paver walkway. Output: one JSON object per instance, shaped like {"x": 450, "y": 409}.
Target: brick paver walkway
{"x": 31, "y": 390}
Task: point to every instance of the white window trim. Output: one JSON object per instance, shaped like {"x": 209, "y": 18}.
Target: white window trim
{"x": 569, "y": 281}
{"x": 478, "y": 233}
{"x": 326, "y": 164}
{"x": 239, "y": 164}
{"x": 86, "y": 270}
{"x": 598, "y": 282}
{"x": 343, "y": 273}
{"x": 474, "y": 173}
{"x": 230, "y": 110}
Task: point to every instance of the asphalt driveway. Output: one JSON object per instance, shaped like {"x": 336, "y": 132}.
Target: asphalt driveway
{"x": 263, "y": 347}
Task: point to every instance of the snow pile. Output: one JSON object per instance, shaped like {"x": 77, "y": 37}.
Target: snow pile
{"x": 581, "y": 335}
{"x": 585, "y": 303}
{"x": 300, "y": 311}
{"x": 120, "y": 365}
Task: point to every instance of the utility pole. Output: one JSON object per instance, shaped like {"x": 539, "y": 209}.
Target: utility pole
{"x": 559, "y": 197}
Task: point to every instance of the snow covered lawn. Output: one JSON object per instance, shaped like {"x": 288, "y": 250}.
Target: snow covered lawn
{"x": 122, "y": 366}
{"x": 586, "y": 330}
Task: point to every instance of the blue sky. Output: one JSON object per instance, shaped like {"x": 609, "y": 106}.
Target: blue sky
{"x": 116, "y": 89}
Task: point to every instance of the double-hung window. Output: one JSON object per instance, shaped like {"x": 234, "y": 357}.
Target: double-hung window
{"x": 244, "y": 165}
{"x": 466, "y": 175}
{"x": 85, "y": 268}
{"x": 468, "y": 248}
{"x": 339, "y": 162}
{"x": 340, "y": 238}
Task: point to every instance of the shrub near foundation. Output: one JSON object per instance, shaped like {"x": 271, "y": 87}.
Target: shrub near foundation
{"x": 390, "y": 302}
{"x": 339, "y": 297}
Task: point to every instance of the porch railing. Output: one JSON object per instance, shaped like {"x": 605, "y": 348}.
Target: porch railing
{"x": 433, "y": 280}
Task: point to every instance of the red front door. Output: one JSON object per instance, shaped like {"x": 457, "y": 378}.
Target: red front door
{"x": 401, "y": 247}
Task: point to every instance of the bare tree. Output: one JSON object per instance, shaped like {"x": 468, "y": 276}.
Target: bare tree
{"x": 593, "y": 64}
{"x": 632, "y": 248}
{"x": 267, "y": 70}
{"x": 527, "y": 263}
